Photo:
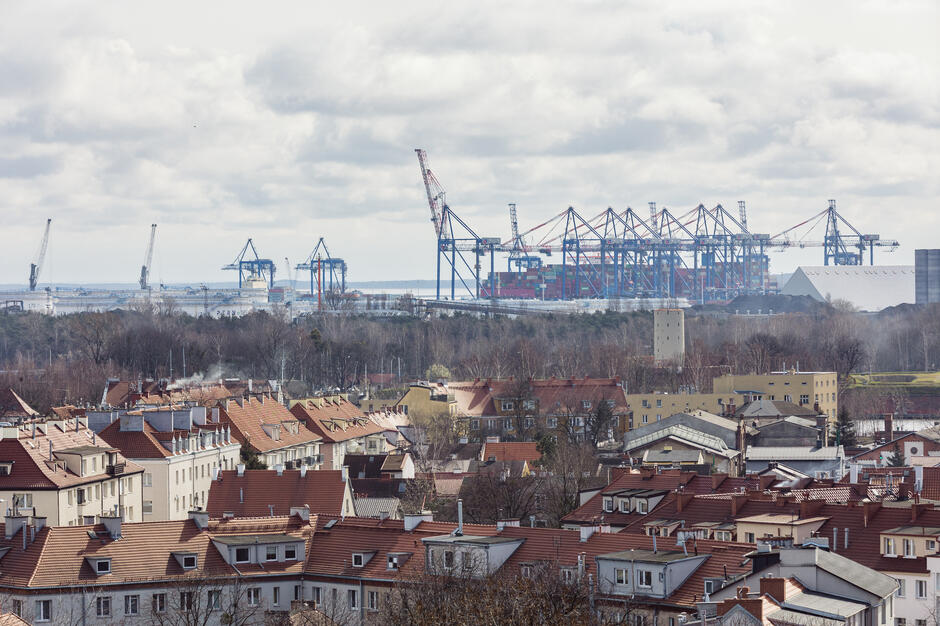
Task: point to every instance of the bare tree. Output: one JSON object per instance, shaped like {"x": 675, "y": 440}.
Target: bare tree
{"x": 198, "y": 600}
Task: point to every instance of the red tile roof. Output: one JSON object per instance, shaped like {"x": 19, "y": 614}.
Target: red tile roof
{"x": 335, "y": 419}
{"x": 511, "y": 451}
{"x": 146, "y": 443}
{"x": 901, "y": 482}
{"x": 32, "y": 468}
{"x": 478, "y": 397}
{"x": 324, "y": 491}
{"x": 247, "y": 418}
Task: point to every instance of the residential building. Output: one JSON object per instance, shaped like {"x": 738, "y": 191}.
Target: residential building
{"x": 648, "y": 408}
{"x": 342, "y": 429}
{"x": 266, "y": 428}
{"x": 669, "y": 335}
{"x": 684, "y": 438}
{"x": 59, "y": 470}
{"x": 817, "y": 461}
{"x": 510, "y": 451}
{"x": 923, "y": 443}
{"x": 180, "y": 451}
{"x": 424, "y": 400}
{"x": 245, "y": 493}
{"x": 522, "y": 409}
{"x": 380, "y": 465}
{"x": 819, "y": 390}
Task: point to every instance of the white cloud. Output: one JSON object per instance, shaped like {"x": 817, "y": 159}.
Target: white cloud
{"x": 283, "y": 122}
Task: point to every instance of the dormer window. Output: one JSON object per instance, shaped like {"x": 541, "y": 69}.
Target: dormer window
{"x": 189, "y": 561}
{"x": 889, "y": 547}
{"x": 242, "y": 555}
{"x": 392, "y": 561}
{"x": 642, "y": 507}
{"x": 270, "y": 553}
{"x": 609, "y": 505}
{"x": 624, "y": 506}
{"x": 357, "y": 560}
{"x": 909, "y": 548}
{"x": 103, "y": 566}
{"x": 6, "y": 468}
{"x": 290, "y": 553}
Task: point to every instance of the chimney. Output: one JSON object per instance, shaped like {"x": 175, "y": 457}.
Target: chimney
{"x": 13, "y": 524}
{"x": 458, "y": 532}
{"x": 682, "y": 499}
{"x": 917, "y": 509}
{"x": 241, "y": 495}
{"x": 279, "y": 468}
{"x": 765, "y": 481}
{"x": 586, "y": 532}
{"x": 717, "y": 479}
{"x": 918, "y": 478}
{"x": 113, "y": 524}
{"x": 201, "y": 518}
{"x": 303, "y": 512}
{"x": 249, "y": 385}
{"x": 835, "y": 538}
{"x": 889, "y": 426}
{"x": 774, "y": 587}
{"x": 39, "y": 522}
{"x": 853, "y": 473}
{"x": 413, "y": 519}
{"x": 240, "y": 470}
{"x": 846, "y": 538}
{"x": 868, "y": 511}
{"x": 737, "y": 501}
{"x": 303, "y": 471}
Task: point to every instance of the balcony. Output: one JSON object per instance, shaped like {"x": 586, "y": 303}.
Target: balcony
{"x": 116, "y": 469}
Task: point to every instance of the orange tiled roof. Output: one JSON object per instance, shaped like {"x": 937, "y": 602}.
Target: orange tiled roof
{"x": 32, "y": 468}
{"x": 553, "y": 395}
{"x": 247, "y": 418}
{"x": 335, "y": 419}
{"x": 145, "y": 444}
{"x": 323, "y": 490}
{"x": 11, "y": 405}
{"x": 512, "y": 451}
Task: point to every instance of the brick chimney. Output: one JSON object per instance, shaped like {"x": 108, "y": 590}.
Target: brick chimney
{"x": 776, "y": 588}
{"x": 766, "y": 481}
{"x": 737, "y": 501}
{"x": 917, "y": 509}
{"x": 889, "y": 426}
{"x": 683, "y": 499}
{"x": 869, "y": 510}
{"x": 717, "y": 479}
{"x": 754, "y": 606}
{"x": 809, "y": 508}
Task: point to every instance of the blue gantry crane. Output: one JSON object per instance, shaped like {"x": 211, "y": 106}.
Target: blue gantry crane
{"x": 327, "y": 273}
{"x": 251, "y": 267}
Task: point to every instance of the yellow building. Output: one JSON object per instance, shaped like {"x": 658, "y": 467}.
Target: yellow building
{"x": 803, "y": 388}
{"x": 648, "y": 408}
{"x": 424, "y": 400}
{"x": 774, "y": 525}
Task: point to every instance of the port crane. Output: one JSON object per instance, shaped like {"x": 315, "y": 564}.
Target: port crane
{"x": 251, "y": 267}
{"x": 36, "y": 266}
{"x": 327, "y": 273}
{"x": 148, "y": 259}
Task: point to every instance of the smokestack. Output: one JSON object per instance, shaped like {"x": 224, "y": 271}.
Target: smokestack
{"x": 459, "y": 530}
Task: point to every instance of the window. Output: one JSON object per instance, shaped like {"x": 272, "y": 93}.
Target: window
{"x": 17, "y": 607}
{"x": 298, "y": 592}
{"x": 507, "y": 423}
{"x": 659, "y": 403}
{"x": 900, "y": 621}
{"x": 528, "y": 405}
{"x": 372, "y": 602}
{"x": 131, "y": 605}
{"x": 900, "y": 592}
{"x": 357, "y": 560}
{"x": 787, "y": 397}
{"x": 81, "y": 496}
{"x": 921, "y": 589}
{"x": 585, "y": 404}
{"x": 148, "y": 507}
{"x": 526, "y": 571}
{"x": 290, "y": 553}
{"x": 642, "y": 506}
{"x": 315, "y": 592}
{"x": 621, "y": 576}
{"x": 214, "y": 599}
{"x": 448, "y": 558}
{"x": 646, "y": 404}
{"x": 43, "y": 610}
{"x": 659, "y": 416}
{"x": 920, "y": 622}
{"x": 242, "y": 555}
{"x": 147, "y": 479}
{"x": 804, "y": 398}
{"x": 909, "y": 547}
{"x": 644, "y": 578}
{"x": 352, "y": 597}
{"x": 158, "y": 603}
{"x": 474, "y": 424}
{"x": 392, "y": 561}
{"x": 609, "y": 505}
{"x": 24, "y": 500}
{"x": 529, "y": 423}
{"x": 931, "y": 545}
{"x": 189, "y": 561}
{"x": 552, "y": 422}
{"x": 567, "y": 575}
{"x": 270, "y": 553}
{"x": 889, "y": 547}
{"x": 276, "y": 596}
{"x": 508, "y": 405}
{"x": 646, "y": 419}
{"x": 624, "y": 506}
{"x": 103, "y": 606}
{"x": 186, "y": 600}
{"x": 254, "y": 596}
{"x": 103, "y": 566}
{"x": 748, "y": 537}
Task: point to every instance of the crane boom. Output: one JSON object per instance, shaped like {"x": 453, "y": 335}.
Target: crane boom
{"x": 433, "y": 188}
{"x": 36, "y": 266}
{"x": 148, "y": 258}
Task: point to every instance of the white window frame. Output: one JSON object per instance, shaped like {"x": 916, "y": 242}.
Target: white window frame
{"x": 352, "y": 599}
{"x": 644, "y": 579}
{"x": 254, "y": 596}
{"x": 214, "y": 599}
{"x": 129, "y": 600}
{"x": 920, "y": 585}
{"x": 621, "y": 576}
{"x": 43, "y": 611}
{"x": 103, "y": 606}
{"x": 158, "y": 603}
{"x": 372, "y": 601}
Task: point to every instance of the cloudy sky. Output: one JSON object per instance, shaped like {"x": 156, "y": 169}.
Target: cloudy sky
{"x": 288, "y": 121}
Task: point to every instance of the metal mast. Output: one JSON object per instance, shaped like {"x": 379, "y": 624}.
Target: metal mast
{"x": 436, "y": 193}
{"x": 148, "y": 258}
{"x": 36, "y": 266}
